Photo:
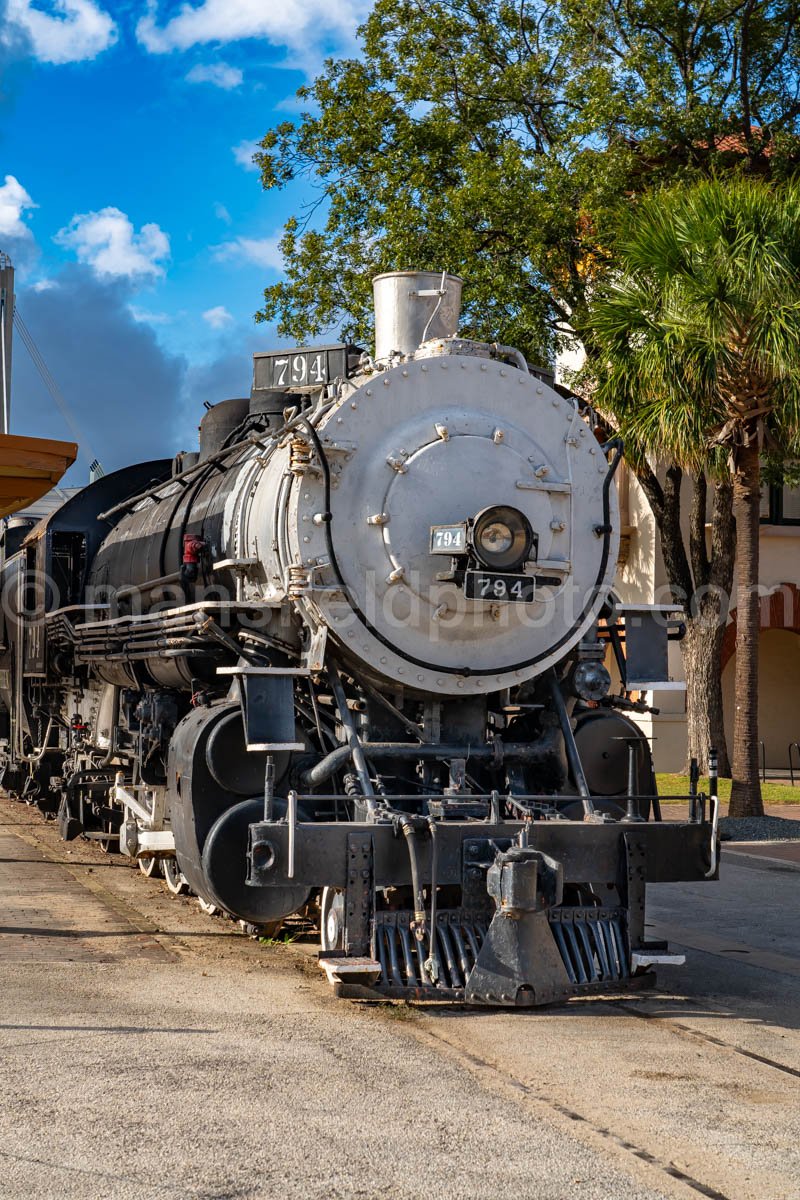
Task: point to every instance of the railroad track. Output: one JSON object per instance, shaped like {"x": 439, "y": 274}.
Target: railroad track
{"x": 698, "y": 1035}
{"x": 620, "y": 1147}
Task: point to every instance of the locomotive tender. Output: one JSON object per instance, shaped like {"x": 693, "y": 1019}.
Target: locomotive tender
{"x": 348, "y": 660}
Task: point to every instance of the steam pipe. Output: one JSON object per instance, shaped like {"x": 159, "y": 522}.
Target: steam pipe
{"x": 512, "y": 352}
{"x": 106, "y": 761}
{"x": 354, "y": 748}
{"x": 148, "y": 585}
{"x": 521, "y": 752}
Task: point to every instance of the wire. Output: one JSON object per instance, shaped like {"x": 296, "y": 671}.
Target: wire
{"x": 3, "y": 338}
{"x": 50, "y": 383}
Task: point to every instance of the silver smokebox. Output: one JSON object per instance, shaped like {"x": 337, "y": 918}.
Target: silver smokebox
{"x": 413, "y": 306}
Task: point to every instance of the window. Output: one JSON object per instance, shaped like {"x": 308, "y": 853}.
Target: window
{"x": 780, "y": 506}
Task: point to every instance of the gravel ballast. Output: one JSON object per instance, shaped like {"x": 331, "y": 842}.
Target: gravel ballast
{"x": 758, "y": 829}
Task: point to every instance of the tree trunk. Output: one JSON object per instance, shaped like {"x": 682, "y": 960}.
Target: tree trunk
{"x": 703, "y": 591}
{"x": 746, "y": 788}
{"x": 702, "y": 663}
{"x": 723, "y": 552}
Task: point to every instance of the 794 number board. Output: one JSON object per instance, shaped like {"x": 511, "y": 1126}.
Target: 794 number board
{"x": 301, "y": 367}
{"x": 487, "y": 585}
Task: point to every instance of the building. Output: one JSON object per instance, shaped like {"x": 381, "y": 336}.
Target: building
{"x": 642, "y": 579}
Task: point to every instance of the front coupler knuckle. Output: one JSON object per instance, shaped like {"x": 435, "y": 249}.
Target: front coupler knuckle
{"x": 524, "y": 880}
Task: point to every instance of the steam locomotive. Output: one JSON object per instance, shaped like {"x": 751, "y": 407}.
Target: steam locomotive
{"x": 351, "y": 659}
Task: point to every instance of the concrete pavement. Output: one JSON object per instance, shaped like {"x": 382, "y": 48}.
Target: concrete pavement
{"x": 147, "y": 1050}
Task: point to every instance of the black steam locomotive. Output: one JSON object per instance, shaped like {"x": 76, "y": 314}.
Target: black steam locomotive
{"x": 352, "y": 660}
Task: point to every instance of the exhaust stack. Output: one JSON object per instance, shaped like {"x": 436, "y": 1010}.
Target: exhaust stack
{"x": 413, "y": 306}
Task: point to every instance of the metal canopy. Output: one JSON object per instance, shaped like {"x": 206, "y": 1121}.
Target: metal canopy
{"x": 29, "y": 467}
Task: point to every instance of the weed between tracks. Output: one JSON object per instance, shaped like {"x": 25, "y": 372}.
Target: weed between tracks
{"x": 283, "y": 939}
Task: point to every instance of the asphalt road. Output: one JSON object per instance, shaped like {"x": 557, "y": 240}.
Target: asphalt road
{"x": 151, "y": 1051}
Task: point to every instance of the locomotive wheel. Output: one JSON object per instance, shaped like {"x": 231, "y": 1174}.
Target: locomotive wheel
{"x": 331, "y": 925}
{"x": 212, "y": 910}
{"x": 174, "y": 878}
{"x": 150, "y": 866}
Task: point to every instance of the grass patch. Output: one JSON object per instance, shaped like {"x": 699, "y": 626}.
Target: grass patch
{"x": 772, "y": 793}
{"x": 282, "y": 939}
{"x": 400, "y": 1010}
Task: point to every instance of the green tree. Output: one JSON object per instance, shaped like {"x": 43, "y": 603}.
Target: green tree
{"x": 496, "y": 139}
{"x": 698, "y": 342}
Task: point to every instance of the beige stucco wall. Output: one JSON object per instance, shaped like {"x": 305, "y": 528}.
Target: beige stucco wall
{"x": 643, "y": 579}
{"x": 779, "y": 555}
{"x": 778, "y": 695}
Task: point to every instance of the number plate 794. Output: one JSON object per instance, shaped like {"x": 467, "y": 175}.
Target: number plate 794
{"x": 485, "y": 585}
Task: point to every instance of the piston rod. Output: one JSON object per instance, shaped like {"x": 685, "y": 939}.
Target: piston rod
{"x": 573, "y": 756}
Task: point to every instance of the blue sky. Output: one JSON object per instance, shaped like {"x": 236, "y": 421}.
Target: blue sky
{"x": 138, "y": 226}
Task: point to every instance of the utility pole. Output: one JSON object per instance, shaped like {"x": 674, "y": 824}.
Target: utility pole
{"x": 6, "y": 338}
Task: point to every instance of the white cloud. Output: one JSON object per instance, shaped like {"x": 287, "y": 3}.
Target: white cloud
{"x": 264, "y": 252}
{"x": 220, "y": 74}
{"x": 44, "y": 285}
{"x": 108, "y": 243}
{"x": 217, "y": 317}
{"x": 293, "y": 104}
{"x": 75, "y": 30}
{"x": 221, "y": 213}
{"x": 144, "y": 316}
{"x": 14, "y": 203}
{"x": 243, "y": 153}
{"x": 289, "y": 23}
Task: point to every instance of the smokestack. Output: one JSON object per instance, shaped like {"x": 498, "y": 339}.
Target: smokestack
{"x": 411, "y": 307}
{"x": 6, "y": 338}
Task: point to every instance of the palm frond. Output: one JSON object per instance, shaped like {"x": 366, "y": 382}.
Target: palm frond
{"x": 703, "y": 305}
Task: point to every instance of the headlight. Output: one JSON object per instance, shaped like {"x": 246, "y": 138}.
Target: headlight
{"x": 501, "y": 537}
{"x": 591, "y": 681}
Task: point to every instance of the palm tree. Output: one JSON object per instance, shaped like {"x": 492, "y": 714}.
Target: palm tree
{"x": 698, "y": 336}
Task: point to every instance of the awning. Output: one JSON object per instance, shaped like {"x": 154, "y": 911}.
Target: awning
{"x": 29, "y": 467}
